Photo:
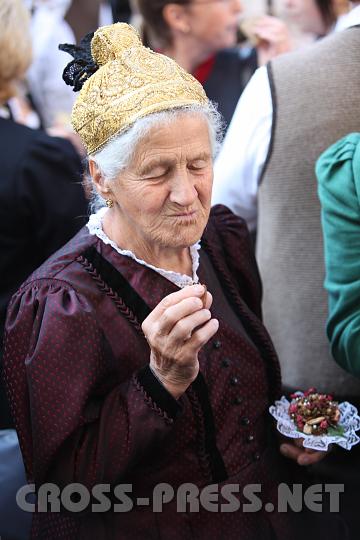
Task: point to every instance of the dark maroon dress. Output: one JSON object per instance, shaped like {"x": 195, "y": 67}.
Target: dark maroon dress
{"x": 88, "y": 409}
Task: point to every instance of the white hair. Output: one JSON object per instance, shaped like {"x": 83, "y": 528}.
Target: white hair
{"x": 116, "y": 155}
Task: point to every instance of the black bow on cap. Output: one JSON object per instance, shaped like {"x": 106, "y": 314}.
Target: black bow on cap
{"x": 83, "y": 66}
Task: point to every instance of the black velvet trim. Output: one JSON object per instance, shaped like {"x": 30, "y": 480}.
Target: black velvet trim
{"x": 158, "y": 392}
{"x": 218, "y": 469}
{"x": 118, "y": 283}
{"x": 274, "y": 117}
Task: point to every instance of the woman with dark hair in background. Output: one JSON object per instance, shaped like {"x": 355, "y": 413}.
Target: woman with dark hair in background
{"x": 316, "y": 17}
{"x": 121, "y": 10}
{"x": 201, "y": 36}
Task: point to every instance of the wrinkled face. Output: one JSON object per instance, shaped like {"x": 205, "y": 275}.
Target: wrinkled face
{"x": 214, "y": 23}
{"x": 164, "y": 195}
{"x": 306, "y": 15}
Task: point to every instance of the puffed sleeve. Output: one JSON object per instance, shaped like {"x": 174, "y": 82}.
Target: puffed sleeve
{"x": 339, "y": 184}
{"x": 76, "y": 422}
{"x": 239, "y": 255}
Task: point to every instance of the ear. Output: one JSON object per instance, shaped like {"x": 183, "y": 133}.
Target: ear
{"x": 176, "y": 17}
{"x": 99, "y": 181}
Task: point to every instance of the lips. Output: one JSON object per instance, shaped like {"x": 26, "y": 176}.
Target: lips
{"x": 187, "y": 214}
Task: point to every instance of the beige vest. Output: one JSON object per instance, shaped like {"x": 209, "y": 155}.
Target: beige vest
{"x": 316, "y": 102}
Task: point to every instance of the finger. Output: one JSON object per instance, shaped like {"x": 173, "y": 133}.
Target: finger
{"x": 203, "y": 334}
{"x": 169, "y": 319}
{"x": 265, "y": 19}
{"x": 270, "y": 35}
{"x": 183, "y": 329}
{"x": 209, "y": 300}
{"x": 290, "y": 451}
{"x": 170, "y": 300}
{"x": 310, "y": 459}
{"x": 275, "y": 28}
{"x": 299, "y": 443}
{"x": 270, "y": 22}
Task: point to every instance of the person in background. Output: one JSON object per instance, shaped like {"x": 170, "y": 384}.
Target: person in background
{"x": 316, "y": 17}
{"x": 201, "y": 36}
{"x": 42, "y": 202}
{"x": 245, "y": 149}
{"x": 42, "y": 205}
{"x": 338, "y": 173}
{"x": 121, "y": 10}
{"x": 288, "y": 115}
{"x": 54, "y": 22}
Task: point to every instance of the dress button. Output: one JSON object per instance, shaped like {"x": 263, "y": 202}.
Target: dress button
{"x": 250, "y": 438}
{"x": 226, "y": 362}
{"x": 217, "y": 344}
{"x": 256, "y": 456}
{"x": 244, "y": 421}
{"x": 234, "y": 381}
{"x": 238, "y": 400}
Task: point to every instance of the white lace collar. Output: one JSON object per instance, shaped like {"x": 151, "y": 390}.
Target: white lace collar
{"x": 180, "y": 280}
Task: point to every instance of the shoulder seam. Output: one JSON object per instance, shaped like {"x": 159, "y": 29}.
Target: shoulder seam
{"x": 44, "y": 279}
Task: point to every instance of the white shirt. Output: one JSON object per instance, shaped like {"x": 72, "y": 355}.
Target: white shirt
{"x": 52, "y": 97}
{"x": 238, "y": 168}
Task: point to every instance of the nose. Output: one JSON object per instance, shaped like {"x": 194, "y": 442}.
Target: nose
{"x": 183, "y": 190}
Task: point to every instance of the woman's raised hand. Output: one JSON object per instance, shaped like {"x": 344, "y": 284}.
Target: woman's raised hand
{"x": 274, "y": 38}
{"x": 176, "y": 330}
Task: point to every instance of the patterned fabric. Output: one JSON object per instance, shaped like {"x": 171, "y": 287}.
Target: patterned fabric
{"x": 89, "y": 410}
{"x": 132, "y": 82}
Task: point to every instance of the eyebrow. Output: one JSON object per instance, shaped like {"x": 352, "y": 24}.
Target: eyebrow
{"x": 167, "y": 163}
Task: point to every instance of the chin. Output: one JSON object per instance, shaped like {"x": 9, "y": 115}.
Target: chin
{"x": 186, "y": 236}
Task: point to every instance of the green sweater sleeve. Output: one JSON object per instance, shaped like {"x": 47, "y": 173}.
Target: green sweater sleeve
{"x": 338, "y": 172}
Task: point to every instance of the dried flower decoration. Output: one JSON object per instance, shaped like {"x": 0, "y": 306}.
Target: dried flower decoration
{"x": 317, "y": 419}
{"x": 314, "y": 413}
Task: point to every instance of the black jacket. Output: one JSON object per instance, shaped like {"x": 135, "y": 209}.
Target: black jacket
{"x": 232, "y": 71}
{"x": 42, "y": 204}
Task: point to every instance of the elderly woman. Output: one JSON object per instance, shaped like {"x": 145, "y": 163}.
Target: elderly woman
{"x": 125, "y": 375}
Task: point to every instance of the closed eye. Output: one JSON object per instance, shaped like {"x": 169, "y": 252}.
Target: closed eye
{"x": 156, "y": 173}
{"x": 198, "y": 165}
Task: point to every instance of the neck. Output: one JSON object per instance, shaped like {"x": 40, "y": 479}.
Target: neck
{"x": 165, "y": 257}
{"x": 187, "y": 53}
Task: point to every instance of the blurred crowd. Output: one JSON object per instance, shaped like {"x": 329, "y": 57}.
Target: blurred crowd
{"x": 286, "y": 84}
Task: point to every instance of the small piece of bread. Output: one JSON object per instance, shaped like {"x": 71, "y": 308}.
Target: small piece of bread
{"x": 247, "y": 27}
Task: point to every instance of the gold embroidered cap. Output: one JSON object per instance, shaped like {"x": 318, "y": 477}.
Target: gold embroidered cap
{"x": 128, "y": 82}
